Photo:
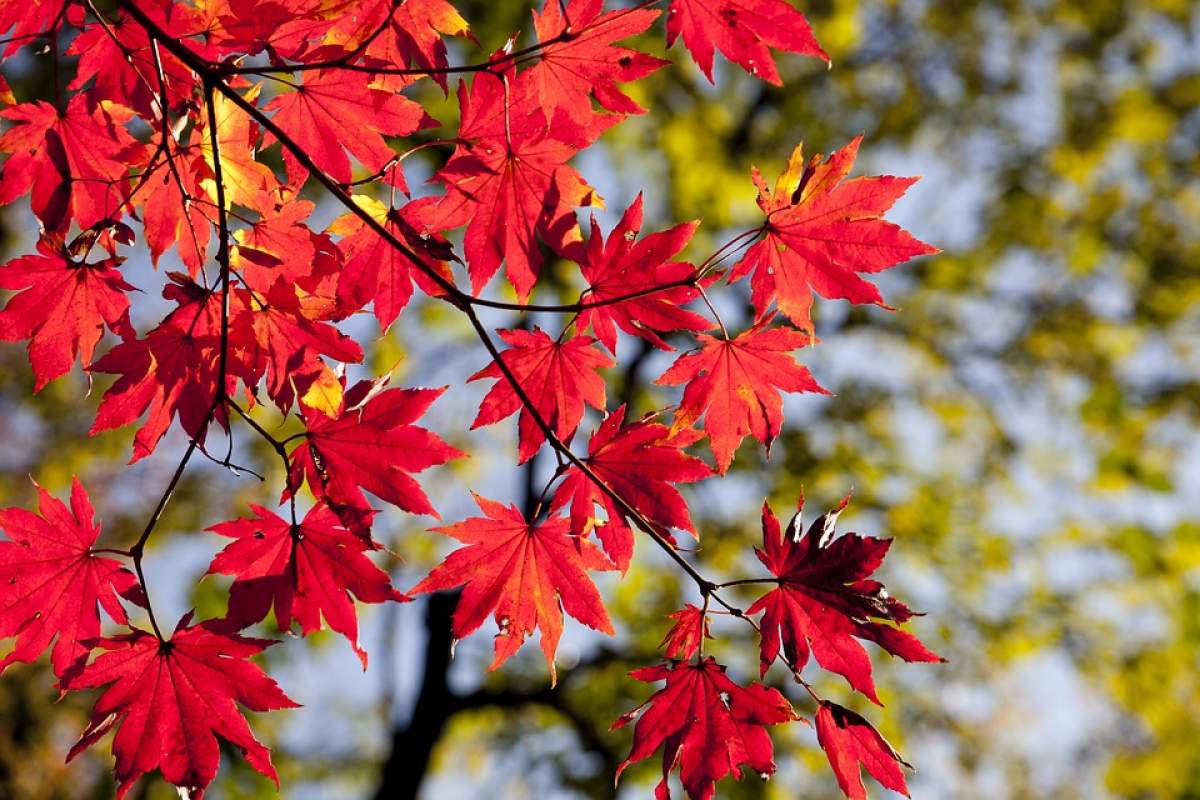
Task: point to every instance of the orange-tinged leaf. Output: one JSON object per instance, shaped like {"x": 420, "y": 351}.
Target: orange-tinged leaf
{"x": 821, "y": 230}
{"x": 412, "y": 35}
{"x": 7, "y": 97}
{"x": 524, "y": 575}
{"x": 325, "y": 393}
{"x": 171, "y": 212}
{"x": 558, "y": 377}
{"x": 248, "y": 182}
{"x": 335, "y": 110}
{"x": 735, "y": 385}
{"x": 641, "y": 462}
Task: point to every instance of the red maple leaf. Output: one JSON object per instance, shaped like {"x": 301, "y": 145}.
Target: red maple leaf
{"x": 509, "y": 182}
{"x": 335, "y": 109}
{"x": 279, "y": 327}
{"x": 744, "y": 30}
{"x": 172, "y": 371}
{"x": 409, "y": 33}
{"x": 524, "y": 575}
{"x": 252, "y": 26}
{"x": 586, "y": 64}
{"x": 824, "y": 600}
{"x": 62, "y": 307}
{"x": 640, "y": 462}
{"x": 171, "y": 212}
{"x": 169, "y": 700}
{"x": 280, "y": 246}
{"x": 118, "y": 61}
{"x": 690, "y": 629}
{"x": 54, "y": 583}
{"x": 706, "y": 724}
{"x": 74, "y": 165}
{"x": 558, "y": 377}
{"x": 624, "y": 266}
{"x": 370, "y": 443}
{"x": 306, "y": 571}
{"x": 735, "y": 384}
{"x": 849, "y": 740}
{"x": 821, "y": 230}
{"x": 376, "y": 271}
{"x": 24, "y": 22}
{"x": 287, "y": 345}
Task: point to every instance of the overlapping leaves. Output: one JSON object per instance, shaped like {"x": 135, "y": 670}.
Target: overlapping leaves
{"x": 170, "y": 131}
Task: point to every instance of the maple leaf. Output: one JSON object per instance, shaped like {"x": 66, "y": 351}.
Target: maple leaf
{"x": 744, "y": 30}
{"x": 172, "y": 371}
{"x": 524, "y": 575}
{"x": 252, "y": 26}
{"x": 171, "y": 215}
{"x": 306, "y": 571}
{"x": 558, "y": 378}
{"x": 370, "y": 443}
{"x": 62, "y": 307}
{"x": 247, "y": 182}
{"x": 821, "y": 230}
{"x": 54, "y": 583}
{"x": 690, "y": 629}
{"x": 639, "y": 462}
{"x": 706, "y": 724}
{"x": 287, "y": 344}
{"x": 584, "y": 63}
{"x": 735, "y": 384}
{"x": 74, "y": 165}
{"x": 509, "y": 182}
{"x": 26, "y": 20}
{"x": 117, "y": 59}
{"x": 169, "y": 700}
{"x": 412, "y": 34}
{"x": 376, "y": 271}
{"x": 849, "y": 740}
{"x": 824, "y": 601}
{"x": 281, "y": 247}
{"x": 623, "y": 266}
{"x": 334, "y": 109}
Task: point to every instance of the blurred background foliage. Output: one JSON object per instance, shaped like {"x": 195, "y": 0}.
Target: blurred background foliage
{"x": 1027, "y": 426}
